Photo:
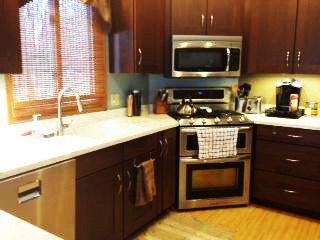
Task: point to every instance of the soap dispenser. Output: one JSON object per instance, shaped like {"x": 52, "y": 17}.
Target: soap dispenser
{"x": 36, "y": 127}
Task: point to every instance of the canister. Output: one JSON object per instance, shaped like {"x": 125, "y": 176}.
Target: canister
{"x": 311, "y": 109}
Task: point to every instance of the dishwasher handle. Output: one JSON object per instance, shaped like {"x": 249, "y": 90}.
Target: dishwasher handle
{"x": 29, "y": 191}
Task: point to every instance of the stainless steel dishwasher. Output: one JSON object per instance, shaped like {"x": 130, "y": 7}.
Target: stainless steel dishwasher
{"x": 44, "y": 198}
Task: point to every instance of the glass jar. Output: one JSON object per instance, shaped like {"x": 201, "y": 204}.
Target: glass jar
{"x": 311, "y": 109}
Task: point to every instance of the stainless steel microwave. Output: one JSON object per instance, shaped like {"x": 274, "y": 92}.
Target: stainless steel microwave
{"x": 206, "y": 56}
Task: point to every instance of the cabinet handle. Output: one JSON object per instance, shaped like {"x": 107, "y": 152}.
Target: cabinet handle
{"x": 211, "y": 21}
{"x": 120, "y": 184}
{"x": 299, "y": 58}
{"x": 274, "y": 130}
{"x": 289, "y": 191}
{"x": 161, "y": 148}
{"x": 292, "y": 160}
{"x": 129, "y": 184}
{"x": 294, "y": 136}
{"x": 29, "y": 191}
{"x": 140, "y": 56}
{"x": 202, "y": 20}
{"x": 287, "y": 59}
{"x": 166, "y": 146}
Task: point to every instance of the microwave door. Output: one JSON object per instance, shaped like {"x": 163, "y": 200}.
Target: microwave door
{"x": 201, "y": 59}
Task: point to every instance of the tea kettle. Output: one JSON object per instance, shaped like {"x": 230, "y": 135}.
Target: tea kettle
{"x": 186, "y": 107}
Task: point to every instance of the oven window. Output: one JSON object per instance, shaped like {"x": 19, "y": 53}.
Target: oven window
{"x": 215, "y": 180}
{"x": 241, "y": 143}
{"x": 200, "y": 59}
{"x": 192, "y": 142}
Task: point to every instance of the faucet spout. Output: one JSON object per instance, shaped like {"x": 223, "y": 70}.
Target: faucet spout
{"x": 61, "y": 125}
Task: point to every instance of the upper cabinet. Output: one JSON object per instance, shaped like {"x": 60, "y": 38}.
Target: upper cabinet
{"x": 137, "y": 37}
{"x": 10, "y": 46}
{"x": 211, "y": 17}
{"x": 281, "y": 36}
{"x": 307, "y": 51}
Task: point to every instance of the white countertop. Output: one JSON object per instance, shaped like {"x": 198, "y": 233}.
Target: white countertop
{"x": 9, "y": 225}
{"x": 87, "y": 133}
{"x": 312, "y": 123}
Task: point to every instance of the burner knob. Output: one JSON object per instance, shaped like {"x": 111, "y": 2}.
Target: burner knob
{"x": 229, "y": 119}
{"x": 241, "y": 119}
{"x": 191, "y": 121}
{"x": 204, "y": 121}
{"x": 217, "y": 120}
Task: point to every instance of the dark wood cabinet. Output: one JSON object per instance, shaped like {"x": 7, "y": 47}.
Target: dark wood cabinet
{"x": 137, "y": 37}
{"x": 168, "y": 154}
{"x": 106, "y": 186}
{"x": 10, "y": 44}
{"x": 99, "y": 205}
{"x": 307, "y": 51}
{"x": 286, "y": 172}
{"x": 138, "y": 151}
{"x": 280, "y": 37}
{"x": 211, "y": 17}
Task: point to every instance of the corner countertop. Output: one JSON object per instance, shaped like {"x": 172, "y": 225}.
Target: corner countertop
{"x": 312, "y": 123}
{"x": 87, "y": 133}
{"x": 9, "y": 225}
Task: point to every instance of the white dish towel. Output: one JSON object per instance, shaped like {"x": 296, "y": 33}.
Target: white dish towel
{"x": 217, "y": 142}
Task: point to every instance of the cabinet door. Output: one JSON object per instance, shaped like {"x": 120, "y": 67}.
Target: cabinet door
{"x": 169, "y": 161}
{"x": 149, "y": 36}
{"x": 224, "y": 17}
{"x": 137, "y": 216}
{"x": 10, "y": 46}
{"x": 189, "y": 17}
{"x": 307, "y": 53}
{"x": 99, "y": 205}
{"x": 271, "y": 36}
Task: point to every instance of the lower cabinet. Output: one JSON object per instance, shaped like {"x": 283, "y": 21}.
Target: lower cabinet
{"x": 286, "y": 172}
{"x": 106, "y": 187}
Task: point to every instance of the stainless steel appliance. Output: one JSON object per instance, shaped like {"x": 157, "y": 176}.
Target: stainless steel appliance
{"x": 206, "y": 56}
{"x": 211, "y": 182}
{"x": 44, "y": 198}
{"x": 253, "y": 105}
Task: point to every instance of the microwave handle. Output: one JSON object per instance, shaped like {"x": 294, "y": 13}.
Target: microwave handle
{"x": 228, "y": 60}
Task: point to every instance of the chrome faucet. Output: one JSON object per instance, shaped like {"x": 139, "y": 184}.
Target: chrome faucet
{"x": 61, "y": 125}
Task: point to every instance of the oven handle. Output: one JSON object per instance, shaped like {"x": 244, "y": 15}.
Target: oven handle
{"x": 194, "y": 130}
{"x": 218, "y": 160}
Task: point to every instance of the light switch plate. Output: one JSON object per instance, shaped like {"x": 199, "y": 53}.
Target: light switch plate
{"x": 115, "y": 99}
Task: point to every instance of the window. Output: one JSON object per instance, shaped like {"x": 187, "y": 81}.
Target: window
{"x": 62, "y": 46}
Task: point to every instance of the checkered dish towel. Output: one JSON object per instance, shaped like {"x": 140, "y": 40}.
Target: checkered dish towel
{"x": 217, "y": 142}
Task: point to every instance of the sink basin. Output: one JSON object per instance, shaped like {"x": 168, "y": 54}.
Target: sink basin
{"x": 104, "y": 130}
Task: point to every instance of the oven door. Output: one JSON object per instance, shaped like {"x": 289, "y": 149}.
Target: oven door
{"x": 217, "y": 182}
{"x": 189, "y": 141}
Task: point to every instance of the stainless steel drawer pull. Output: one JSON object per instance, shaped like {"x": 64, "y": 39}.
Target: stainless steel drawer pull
{"x": 294, "y": 136}
{"x": 29, "y": 191}
{"x": 292, "y": 160}
{"x": 289, "y": 191}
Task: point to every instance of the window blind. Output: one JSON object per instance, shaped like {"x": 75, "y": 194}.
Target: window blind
{"x": 62, "y": 46}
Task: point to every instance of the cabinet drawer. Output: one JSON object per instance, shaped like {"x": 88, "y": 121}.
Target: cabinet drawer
{"x": 98, "y": 160}
{"x": 140, "y": 146}
{"x": 295, "y": 160}
{"x": 287, "y": 191}
{"x": 289, "y": 135}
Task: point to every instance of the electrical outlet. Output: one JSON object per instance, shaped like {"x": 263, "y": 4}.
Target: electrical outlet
{"x": 115, "y": 99}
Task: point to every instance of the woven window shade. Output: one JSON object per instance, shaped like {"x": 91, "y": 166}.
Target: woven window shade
{"x": 62, "y": 46}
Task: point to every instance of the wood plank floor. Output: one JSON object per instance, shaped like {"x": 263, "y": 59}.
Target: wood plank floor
{"x": 260, "y": 223}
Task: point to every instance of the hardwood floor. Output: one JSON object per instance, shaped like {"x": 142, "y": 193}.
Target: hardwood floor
{"x": 260, "y": 223}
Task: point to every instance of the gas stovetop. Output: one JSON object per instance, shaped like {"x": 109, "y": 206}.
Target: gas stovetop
{"x": 216, "y": 117}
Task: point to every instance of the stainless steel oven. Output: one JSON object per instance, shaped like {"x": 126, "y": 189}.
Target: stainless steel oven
{"x": 215, "y": 182}
{"x": 189, "y": 140}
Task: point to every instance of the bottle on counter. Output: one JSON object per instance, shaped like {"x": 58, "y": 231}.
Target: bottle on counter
{"x": 130, "y": 105}
{"x": 311, "y": 109}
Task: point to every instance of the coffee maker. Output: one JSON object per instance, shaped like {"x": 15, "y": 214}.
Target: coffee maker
{"x": 287, "y": 100}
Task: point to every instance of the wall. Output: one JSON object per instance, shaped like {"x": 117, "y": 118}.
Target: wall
{"x": 264, "y": 85}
